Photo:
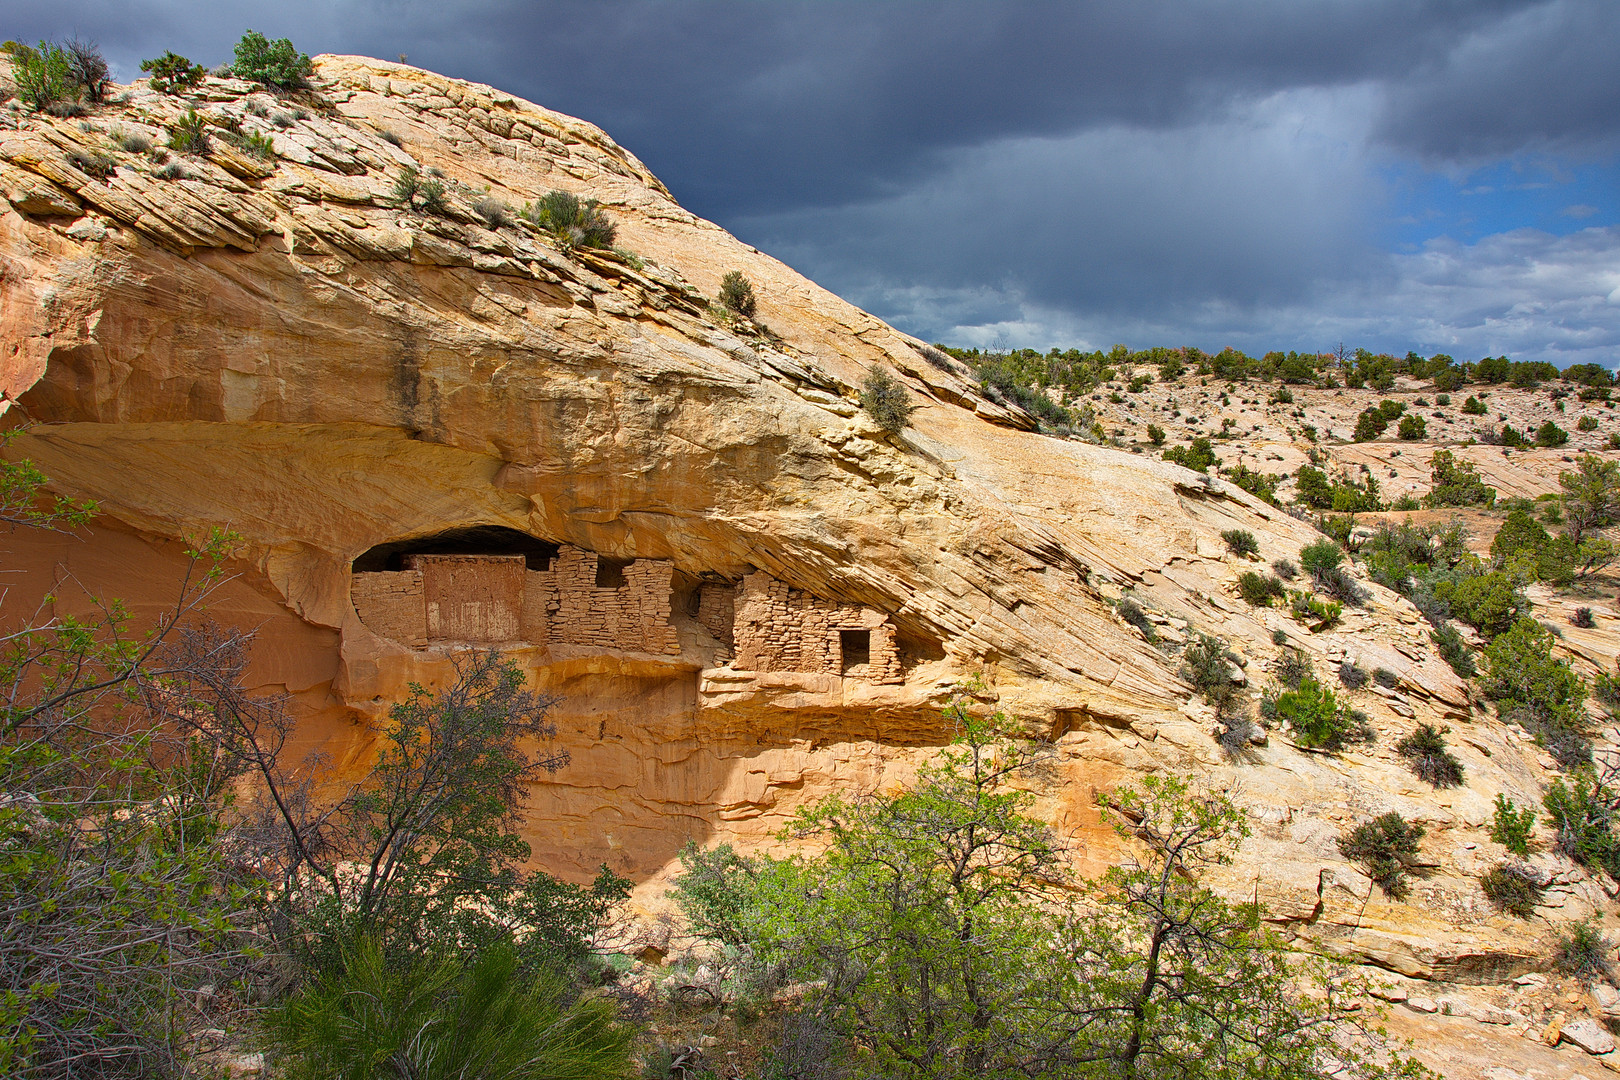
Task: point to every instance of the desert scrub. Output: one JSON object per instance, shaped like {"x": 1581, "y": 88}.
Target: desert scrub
{"x": 1582, "y": 814}
{"x": 1317, "y": 615}
{"x": 43, "y": 76}
{"x": 272, "y": 63}
{"x": 1260, "y": 590}
{"x": 91, "y": 163}
{"x": 1426, "y": 755}
{"x": 189, "y": 134}
{"x": 1449, "y": 643}
{"x": 572, "y": 222}
{"x": 1207, "y": 665}
{"x": 1538, "y": 691}
{"x": 1582, "y": 951}
{"x": 172, "y": 73}
{"x": 1512, "y": 887}
{"x": 412, "y": 191}
{"x": 1132, "y": 612}
{"x": 886, "y": 401}
{"x": 1387, "y": 849}
{"x": 1511, "y": 826}
{"x": 1285, "y": 569}
{"x": 1293, "y": 668}
{"x": 1318, "y": 720}
{"x": 252, "y": 143}
{"x": 494, "y": 212}
{"x": 1241, "y": 542}
{"x": 737, "y": 294}
{"x": 131, "y": 142}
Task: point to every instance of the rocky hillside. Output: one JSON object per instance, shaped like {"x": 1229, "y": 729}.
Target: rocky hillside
{"x": 357, "y": 385}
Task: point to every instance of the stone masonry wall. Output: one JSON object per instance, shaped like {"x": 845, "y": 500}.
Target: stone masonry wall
{"x": 717, "y": 610}
{"x": 782, "y": 629}
{"x": 391, "y": 606}
{"x": 496, "y": 598}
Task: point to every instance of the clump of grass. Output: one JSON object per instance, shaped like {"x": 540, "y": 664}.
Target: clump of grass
{"x": 1352, "y": 676}
{"x": 131, "y": 142}
{"x": 495, "y": 212}
{"x": 571, "y": 221}
{"x": 885, "y": 401}
{"x": 386, "y": 136}
{"x": 1385, "y": 678}
{"x": 1285, "y": 569}
{"x": 1425, "y": 752}
{"x": 1241, "y": 542}
{"x": 1132, "y": 612}
{"x": 1387, "y": 849}
{"x": 412, "y": 192}
{"x": 173, "y": 170}
{"x": 1582, "y": 952}
{"x": 1260, "y": 590}
{"x": 252, "y": 143}
{"x": 91, "y": 163}
{"x": 1293, "y": 668}
{"x": 1512, "y": 887}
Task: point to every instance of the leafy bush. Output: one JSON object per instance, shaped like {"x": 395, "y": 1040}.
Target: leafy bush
{"x": 1511, "y": 827}
{"x": 1206, "y": 664}
{"x": 44, "y": 76}
{"x": 1318, "y": 720}
{"x": 433, "y": 1018}
{"x": 886, "y": 401}
{"x": 1261, "y": 485}
{"x": 1456, "y": 483}
{"x": 412, "y": 192}
{"x": 1317, "y": 614}
{"x": 737, "y": 294}
{"x": 273, "y": 63}
{"x": 1425, "y": 752}
{"x": 1293, "y": 668}
{"x": 1155, "y": 434}
{"x": 1583, "y": 952}
{"x": 1583, "y": 815}
{"x": 1591, "y": 494}
{"x": 1512, "y": 887}
{"x": 1550, "y": 434}
{"x": 189, "y": 134}
{"x": 1260, "y": 590}
{"x": 1489, "y": 602}
{"x": 1586, "y": 423}
{"x": 1538, "y": 691}
{"x": 1321, "y": 559}
{"x": 1199, "y": 455}
{"x": 1473, "y": 406}
{"x": 1412, "y": 427}
{"x": 1369, "y": 425}
{"x": 572, "y": 222}
{"x": 1241, "y": 542}
{"x": 1582, "y": 617}
{"x": 1449, "y": 643}
{"x": 1387, "y": 849}
{"x": 172, "y": 73}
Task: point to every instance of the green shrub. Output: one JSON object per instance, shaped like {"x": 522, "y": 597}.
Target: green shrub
{"x": 1321, "y": 559}
{"x": 44, "y": 75}
{"x": 1385, "y": 678}
{"x": 1583, "y": 952}
{"x": 1369, "y": 425}
{"x": 1387, "y": 849}
{"x": 1241, "y": 542}
{"x": 1413, "y": 427}
{"x": 436, "y": 1019}
{"x": 1512, "y": 887}
{"x": 252, "y": 143}
{"x": 1550, "y": 434}
{"x": 172, "y": 73}
{"x": 414, "y": 192}
{"x": 1155, "y": 434}
{"x": 1317, "y": 614}
{"x": 1473, "y": 406}
{"x": 1586, "y": 423}
{"x": 1261, "y": 485}
{"x": 1293, "y": 668}
{"x": 1207, "y": 665}
{"x": 886, "y": 401}
{"x": 272, "y": 63}
{"x": 1511, "y": 827}
{"x": 1456, "y": 483}
{"x": 1132, "y": 612}
{"x": 572, "y": 222}
{"x": 737, "y": 294}
{"x": 189, "y": 134}
{"x": 1425, "y": 752}
{"x": 1489, "y": 602}
{"x": 1449, "y": 643}
{"x": 1582, "y": 815}
{"x": 1318, "y": 720}
{"x": 1538, "y": 691}
{"x": 1443, "y": 400}
{"x": 1260, "y": 590}
{"x": 1199, "y": 455}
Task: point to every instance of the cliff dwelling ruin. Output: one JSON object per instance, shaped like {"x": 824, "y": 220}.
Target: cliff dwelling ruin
{"x": 494, "y": 586}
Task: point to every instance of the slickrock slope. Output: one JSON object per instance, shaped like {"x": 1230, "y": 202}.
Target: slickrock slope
{"x": 277, "y": 347}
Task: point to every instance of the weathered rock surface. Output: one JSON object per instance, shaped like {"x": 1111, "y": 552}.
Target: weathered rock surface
{"x": 277, "y": 347}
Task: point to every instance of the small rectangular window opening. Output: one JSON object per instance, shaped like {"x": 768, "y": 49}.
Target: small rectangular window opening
{"x": 856, "y": 647}
{"x": 610, "y": 573}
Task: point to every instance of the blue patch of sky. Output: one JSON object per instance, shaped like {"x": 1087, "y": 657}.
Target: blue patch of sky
{"x": 1557, "y": 197}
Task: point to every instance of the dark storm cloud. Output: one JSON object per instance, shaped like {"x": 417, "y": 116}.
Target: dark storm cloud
{"x": 1069, "y": 169}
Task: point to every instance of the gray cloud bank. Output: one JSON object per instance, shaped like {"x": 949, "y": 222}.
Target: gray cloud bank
{"x": 1052, "y": 173}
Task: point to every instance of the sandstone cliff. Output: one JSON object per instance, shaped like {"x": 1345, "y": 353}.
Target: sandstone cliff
{"x": 277, "y": 347}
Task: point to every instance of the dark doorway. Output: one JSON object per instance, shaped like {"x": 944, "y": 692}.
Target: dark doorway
{"x": 856, "y": 647}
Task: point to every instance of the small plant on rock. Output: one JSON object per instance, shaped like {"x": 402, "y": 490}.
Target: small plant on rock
{"x": 1425, "y": 752}
{"x": 495, "y": 212}
{"x": 1285, "y": 569}
{"x": 1241, "y": 542}
{"x": 1512, "y": 887}
{"x": 1293, "y": 668}
{"x": 737, "y": 294}
{"x": 1352, "y": 676}
{"x": 189, "y": 135}
{"x": 1511, "y": 826}
{"x": 1582, "y": 617}
{"x": 1318, "y": 720}
{"x": 885, "y": 401}
{"x": 1258, "y": 589}
{"x": 1387, "y": 849}
{"x": 1132, "y": 612}
{"x": 1583, "y": 952}
{"x": 573, "y": 222}
{"x": 413, "y": 192}
{"x": 1449, "y": 643}
{"x": 273, "y": 63}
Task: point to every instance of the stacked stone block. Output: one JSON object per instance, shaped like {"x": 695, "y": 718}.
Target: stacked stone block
{"x": 391, "y": 606}
{"x": 778, "y": 628}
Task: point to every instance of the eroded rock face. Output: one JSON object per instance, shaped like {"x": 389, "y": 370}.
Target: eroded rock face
{"x": 279, "y": 348}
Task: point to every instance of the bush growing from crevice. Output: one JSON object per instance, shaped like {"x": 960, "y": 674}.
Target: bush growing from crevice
{"x": 412, "y": 191}
{"x": 1511, "y": 827}
{"x": 1550, "y": 434}
{"x": 1318, "y": 615}
{"x": 885, "y": 400}
{"x": 189, "y": 134}
{"x": 1456, "y": 483}
{"x": 1426, "y": 754}
{"x": 1512, "y": 887}
{"x": 43, "y": 75}
{"x": 275, "y": 64}
{"x": 737, "y": 294}
{"x": 1386, "y": 678}
{"x": 172, "y": 73}
{"x": 1318, "y": 720}
{"x": 1155, "y": 434}
{"x": 1260, "y": 590}
{"x": 1351, "y": 675}
{"x": 1240, "y": 542}
{"x": 1285, "y": 569}
{"x": 1293, "y": 668}
{"x": 1583, "y": 814}
{"x": 1538, "y": 691}
{"x": 87, "y": 69}
{"x": 496, "y": 212}
{"x": 1387, "y": 849}
{"x": 571, "y": 221}
{"x": 1583, "y": 951}
{"x": 1132, "y": 612}
{"x": 1207, "y": 665}
{"x": 1198, "y": 455}
{"x": 1582, "y": 617}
